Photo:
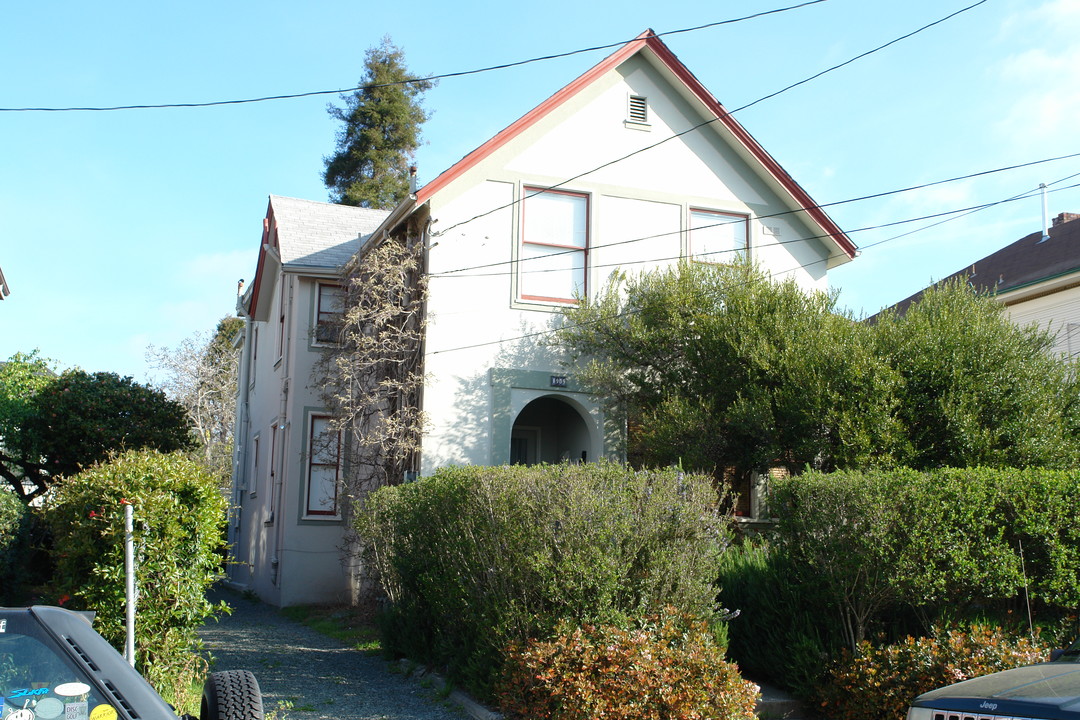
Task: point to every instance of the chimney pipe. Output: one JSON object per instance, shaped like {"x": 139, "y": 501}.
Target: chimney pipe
{"x": 412, "y": 179}
{"x": 1046, "y": 215}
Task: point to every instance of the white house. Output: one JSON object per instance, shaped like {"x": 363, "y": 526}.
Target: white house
{"x": 633, "y": 165}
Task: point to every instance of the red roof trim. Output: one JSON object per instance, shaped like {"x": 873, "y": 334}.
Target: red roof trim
{"x": 530, "y": 118}
{"x": 260, "y": 266}
{"x": 668, "y": 58}
{"x": 801, "y": 196}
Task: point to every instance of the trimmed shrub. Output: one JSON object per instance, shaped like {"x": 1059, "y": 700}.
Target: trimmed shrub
{"x": 473, "y": 559}
{"x": 880, "y": 682}
{"x": 668, "y": 667}
{"x": 179, "y": 517}
{"x": 945, "y": 544}
{"x": 14, "y": 531}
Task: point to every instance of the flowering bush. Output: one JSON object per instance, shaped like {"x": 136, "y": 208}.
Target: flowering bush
{"x": 666, "y": 667}
{"x": 881, "y": 681}
{"x": 179, "y": 517}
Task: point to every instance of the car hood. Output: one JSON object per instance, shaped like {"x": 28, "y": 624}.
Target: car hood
{"x": 1055, "y": 684}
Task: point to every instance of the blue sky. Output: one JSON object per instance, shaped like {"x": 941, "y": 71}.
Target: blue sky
{"x": 120, "y": 230}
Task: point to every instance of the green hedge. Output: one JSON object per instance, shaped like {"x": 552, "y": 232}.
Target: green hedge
{"x": 943, "y": 543}
{"x": 473, "y": 559}
{"x": 179, "y": 517}
{"x": 14, "y": 531}
{"x": 883, "y": 554}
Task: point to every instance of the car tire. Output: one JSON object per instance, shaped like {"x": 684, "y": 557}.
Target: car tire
{"x": 231, "y": 695}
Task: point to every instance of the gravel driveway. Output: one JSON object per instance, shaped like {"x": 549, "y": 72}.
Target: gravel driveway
{"x": 322, "y": 678}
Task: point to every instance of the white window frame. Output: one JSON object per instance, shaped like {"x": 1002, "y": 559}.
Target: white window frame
{"x": 274, "y": 469}
{"x": 544, "y": 247}
{"x": 281, "y": 321}
{"x": 253, "y": 487}
{"x": 713, "y": 245}
{"x": 314, "y": 507}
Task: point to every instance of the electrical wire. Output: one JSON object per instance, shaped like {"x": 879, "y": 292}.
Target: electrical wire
{"x": 727, "y": 113}
{"x": 548, "y": 332}
{"x": 409, "y": 81}
{"x": 872, "y": 196}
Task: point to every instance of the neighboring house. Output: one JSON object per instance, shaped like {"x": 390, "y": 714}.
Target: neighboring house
{"x": 512, "y": 233}
{"x": 1037, "y": 278}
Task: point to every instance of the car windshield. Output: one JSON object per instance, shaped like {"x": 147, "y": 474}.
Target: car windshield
{"x": 37, "y": 680}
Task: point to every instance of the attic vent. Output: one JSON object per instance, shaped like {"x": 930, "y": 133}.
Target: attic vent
{"x": 639, "y": 109}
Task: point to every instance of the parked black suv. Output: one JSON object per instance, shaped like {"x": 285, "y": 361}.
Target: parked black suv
{"x": 54, "y": 666}
{"x": 1046, "y": 691}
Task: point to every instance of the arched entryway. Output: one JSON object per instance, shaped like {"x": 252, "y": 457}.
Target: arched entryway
{"x": 550, "y": 430}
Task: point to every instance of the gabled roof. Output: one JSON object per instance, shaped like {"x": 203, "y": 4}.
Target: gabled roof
{"x": 1024, "y": 264}
{"x": 304, "y": 235}
{"x": 658, "y": 54}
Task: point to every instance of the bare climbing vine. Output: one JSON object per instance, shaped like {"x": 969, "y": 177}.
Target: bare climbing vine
{"x": 372, "y": 378}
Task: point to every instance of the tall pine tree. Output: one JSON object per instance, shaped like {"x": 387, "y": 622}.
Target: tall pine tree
{"x": 382, "y": 119}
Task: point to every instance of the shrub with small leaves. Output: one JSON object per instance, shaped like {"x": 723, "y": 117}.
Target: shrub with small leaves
{"x": 475, "y": 558}
{"x": 668, "y": 667}
{"x": 14, "y": 516}
{"x": 179, "y": 515}
{"x": 881, "y": 681}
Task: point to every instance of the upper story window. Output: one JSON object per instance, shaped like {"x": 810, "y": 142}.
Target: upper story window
{"x": 718, "y": 237}
{"x": 329, "y": 305}
{"x": 281, "y": 320}
{"x": 554, "y": 245}
{"x": 324, "y": 453}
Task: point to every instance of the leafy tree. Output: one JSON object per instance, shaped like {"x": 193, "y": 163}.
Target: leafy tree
{"x": 21, "y": 378}
{"x": 78, "y": 419}
{"x": 720, "y": 368}
{"x": 201, "y": 375}
{"x": 723, "y": 369}
{"x": 975, "y": 388}
{"x": 382, "y": 119}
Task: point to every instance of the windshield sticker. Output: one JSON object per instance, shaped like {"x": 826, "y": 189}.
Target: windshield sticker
{"x": 72, "y": 689}
{"x": 27, "y": 693}
{"x": 76, "y": 711}
{"x": 23, "y": 714}
{"x": 103, "y": 712}
{"x": 49, "y": 709}
{"x": 3, "y": 626}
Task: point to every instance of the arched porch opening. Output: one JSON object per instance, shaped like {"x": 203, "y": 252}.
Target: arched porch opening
{"x": 550, "y": 430}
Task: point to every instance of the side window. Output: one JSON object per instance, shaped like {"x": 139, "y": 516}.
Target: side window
{"x": 329, "y": 305}
{"x": 271, "y": 486}
{"x": 324, "y": 452}
{"x": 281, "y": 320}
{"x": 254, "y": 479}
{"x": 553, "y": 257}
{"x": 718, "y": 237}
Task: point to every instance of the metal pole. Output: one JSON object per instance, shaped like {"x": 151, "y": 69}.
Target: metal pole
{"x": 129, "y": 573}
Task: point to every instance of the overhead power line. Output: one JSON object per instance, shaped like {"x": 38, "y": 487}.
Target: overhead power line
{"x": 429, "y": 78}
{"x": 965, "y": 211}
{"x": 727, "y": 113}
{"x": 872, "y": 196}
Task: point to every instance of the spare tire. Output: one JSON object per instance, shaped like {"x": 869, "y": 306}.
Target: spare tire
{"x": 231, "y": 695}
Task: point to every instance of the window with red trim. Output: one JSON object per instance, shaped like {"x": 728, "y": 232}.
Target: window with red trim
{"x": 553, "y": 258}
{"x": 718, "y": 237}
